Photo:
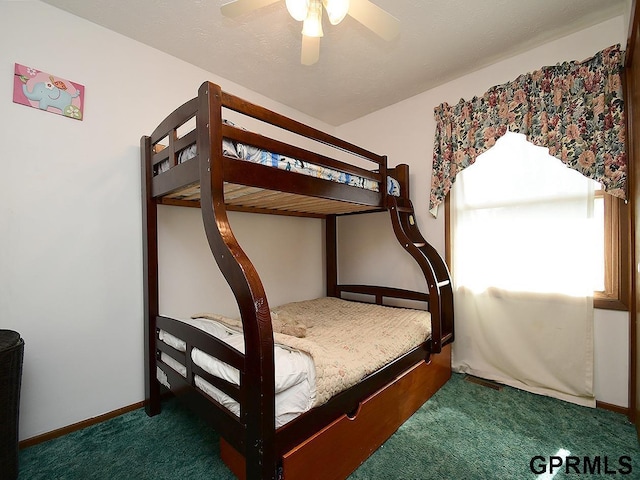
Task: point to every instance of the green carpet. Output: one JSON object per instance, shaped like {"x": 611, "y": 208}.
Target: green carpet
{"x": 466, "y": 431}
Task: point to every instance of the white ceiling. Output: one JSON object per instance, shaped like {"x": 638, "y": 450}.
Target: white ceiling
{"x": 358, "y": 72}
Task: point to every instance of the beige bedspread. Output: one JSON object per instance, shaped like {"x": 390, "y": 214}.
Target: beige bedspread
{"x": 349, "y": 340}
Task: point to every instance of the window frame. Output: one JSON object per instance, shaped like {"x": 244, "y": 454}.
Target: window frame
{"x": 615, "y": 296}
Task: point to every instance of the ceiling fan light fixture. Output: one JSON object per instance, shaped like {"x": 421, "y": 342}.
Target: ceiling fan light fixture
{"x": 336, "y": 10}
{"x": 298, "y": 9}
{"x": 309, "y": 12}
{"x": 312, "y": 26}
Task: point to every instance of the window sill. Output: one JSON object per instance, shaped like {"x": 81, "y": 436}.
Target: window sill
{"x": 603, "y": 302}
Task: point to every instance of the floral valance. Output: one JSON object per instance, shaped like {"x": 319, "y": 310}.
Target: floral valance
{"x": 575, "y": 109}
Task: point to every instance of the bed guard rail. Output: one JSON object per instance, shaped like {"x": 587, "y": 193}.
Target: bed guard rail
{"x": 433, "y": 267}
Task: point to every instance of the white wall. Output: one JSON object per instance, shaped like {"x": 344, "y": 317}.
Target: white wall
{"x": 287, "y": 252}
{"x": 70, "y": 249}
{"x": 404, "y": 132}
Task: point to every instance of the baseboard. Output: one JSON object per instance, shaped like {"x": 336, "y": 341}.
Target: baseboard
{"x": 29, "y": 442}
{"x": 613, "y": 408}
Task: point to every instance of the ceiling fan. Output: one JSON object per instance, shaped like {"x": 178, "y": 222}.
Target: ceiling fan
{"x": 310, "y": 13}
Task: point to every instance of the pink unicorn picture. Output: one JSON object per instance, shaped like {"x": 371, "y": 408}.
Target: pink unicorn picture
{"x": 37, "y": 89}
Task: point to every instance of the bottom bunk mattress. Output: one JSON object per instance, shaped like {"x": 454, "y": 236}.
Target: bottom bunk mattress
{"x": 323, "y": 347}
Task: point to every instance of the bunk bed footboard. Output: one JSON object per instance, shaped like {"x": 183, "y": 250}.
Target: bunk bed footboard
{"x": 180, "y": 374}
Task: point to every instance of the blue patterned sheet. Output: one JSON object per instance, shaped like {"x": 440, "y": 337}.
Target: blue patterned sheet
{"x": 253, "y": 154}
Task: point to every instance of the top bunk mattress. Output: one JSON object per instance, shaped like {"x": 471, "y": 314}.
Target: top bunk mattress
{"x": 250, "y": 153}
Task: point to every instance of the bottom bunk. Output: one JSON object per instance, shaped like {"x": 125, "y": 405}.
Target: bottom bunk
{"x": 347, "y": 374}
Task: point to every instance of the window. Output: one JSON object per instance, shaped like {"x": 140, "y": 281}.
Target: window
{"x": 525, "y": 262}
{"x": 611, "y": 283}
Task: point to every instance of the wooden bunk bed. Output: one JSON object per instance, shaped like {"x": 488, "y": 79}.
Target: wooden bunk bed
{"x": 332, "y": 439}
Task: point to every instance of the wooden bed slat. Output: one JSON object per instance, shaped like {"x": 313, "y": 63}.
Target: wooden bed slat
{"x": 227, "y": 387}
{"x": 254, "y": 197}
{"x": 202, "y": 340}
{"x": 256, "y": 111}
{"x": 177, "y": 118}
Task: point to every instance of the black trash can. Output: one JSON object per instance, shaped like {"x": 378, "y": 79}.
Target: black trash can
{"x": 11, "y": 355}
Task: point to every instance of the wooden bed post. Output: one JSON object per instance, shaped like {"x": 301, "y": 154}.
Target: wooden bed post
{"x": 150, "y": 280}
{"x": 331, "y": 255}
{"x": 401, "y": 173}
{"x": 258, "y": 381}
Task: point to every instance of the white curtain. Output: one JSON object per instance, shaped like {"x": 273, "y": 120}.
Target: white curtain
{"x": 524, "y": 265}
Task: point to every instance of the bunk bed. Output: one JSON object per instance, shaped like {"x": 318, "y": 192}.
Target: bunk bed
{"x": 198, "y": 158}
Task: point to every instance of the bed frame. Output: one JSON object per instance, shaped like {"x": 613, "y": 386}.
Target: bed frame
{"x": 356, "y": 421}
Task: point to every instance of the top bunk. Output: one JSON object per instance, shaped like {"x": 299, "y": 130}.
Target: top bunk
{"x": 200, "y": 151}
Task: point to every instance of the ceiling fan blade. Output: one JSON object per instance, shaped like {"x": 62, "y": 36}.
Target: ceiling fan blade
{"x": 375, "y": 19}
{"x": 240, "y": 7}
{"x": 310, "y": 50}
